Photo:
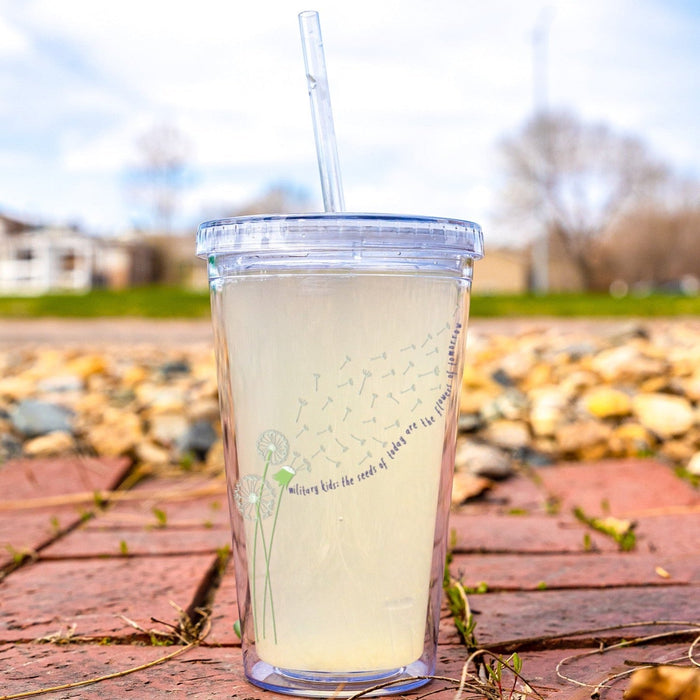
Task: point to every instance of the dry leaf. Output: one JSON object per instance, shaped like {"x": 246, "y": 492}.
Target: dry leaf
{"x": 660, "y": 571}
{"x": 664, "y": 683}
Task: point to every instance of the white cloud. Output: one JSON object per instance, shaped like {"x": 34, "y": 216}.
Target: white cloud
{"x": 12, "y": 41}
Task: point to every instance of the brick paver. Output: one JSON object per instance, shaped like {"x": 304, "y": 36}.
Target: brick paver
{"x": 25, "y": 530}
{"x": 552, "y": 581}
{"x": 504, "y": 618}
{"x": 518, "y": 572}
{"x": 641, "y": 486}
{"x": 37, "y": 478}
{"x": 536, "y": 534}
{"x": 47, "y": 597}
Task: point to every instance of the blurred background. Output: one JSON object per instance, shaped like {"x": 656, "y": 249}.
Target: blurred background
{"x": 569, "y": 130}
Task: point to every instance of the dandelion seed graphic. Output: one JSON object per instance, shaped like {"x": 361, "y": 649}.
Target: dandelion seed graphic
{"x": 251, "y": 491}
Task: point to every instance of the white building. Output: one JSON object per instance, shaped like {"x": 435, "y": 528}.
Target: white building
{"x": 35, "y": 260}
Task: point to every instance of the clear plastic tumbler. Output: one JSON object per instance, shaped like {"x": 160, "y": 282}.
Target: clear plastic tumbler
{"x": 340, "y": 341}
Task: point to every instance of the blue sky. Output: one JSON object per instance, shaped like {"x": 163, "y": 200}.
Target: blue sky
{"x": 422, "y": 90}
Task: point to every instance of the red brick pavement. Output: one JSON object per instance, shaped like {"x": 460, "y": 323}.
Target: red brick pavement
{"x": 90, "y": 572}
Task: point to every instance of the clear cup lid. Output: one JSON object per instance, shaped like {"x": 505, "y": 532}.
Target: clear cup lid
{"x": 340, "y": 233}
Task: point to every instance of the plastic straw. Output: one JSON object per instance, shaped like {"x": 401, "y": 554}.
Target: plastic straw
{"x": 321, "y": 113}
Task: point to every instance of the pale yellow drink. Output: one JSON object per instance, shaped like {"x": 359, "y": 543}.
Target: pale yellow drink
{"x": 340, "y": 386}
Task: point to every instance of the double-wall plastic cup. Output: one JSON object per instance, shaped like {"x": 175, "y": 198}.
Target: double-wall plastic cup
{"x": 339, "y": 341}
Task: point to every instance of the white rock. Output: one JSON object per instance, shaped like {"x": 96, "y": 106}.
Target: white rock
{"x": 664, "y": 414}
{"x": 693, "y": 465}
{"x": 509, "y": 434}
{"x": 50, "y": 444}
{"x": 167, "y": 428}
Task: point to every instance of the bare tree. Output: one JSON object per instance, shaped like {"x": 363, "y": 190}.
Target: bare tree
{"x": 282, "y": 198}
{"x": 570, "y": 181}
{"x": 159, "y": 178}
{"x": 653, "y": 246}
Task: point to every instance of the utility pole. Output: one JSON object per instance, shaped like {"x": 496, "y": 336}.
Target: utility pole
{"x": 540, "y": 60}
{"x": 540, "y": 95}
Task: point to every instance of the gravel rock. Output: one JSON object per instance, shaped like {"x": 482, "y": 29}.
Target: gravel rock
{"x": 198, "y": 439}
{"x": 510, "y": 404}
{"x": 117, "y": 434}
{"x": 509, "y": 434}
{"x": 49, "y": 445}
{"x": 215, "y": 456}
{"x": 469, "y": 422}
{"x": 691, "y": 386}
{"x": 532, "y": 457}
{"x": 32, "y": 418}
{"x": 10, "y": 448}
{"x": 482, "y": 460}
{"x": 502, "y": 377}
{"x": 168, "y": 428}
{"x": 203, "y": 409}
{"x": 549, "y": 393}
{"x": 583, "y": 439}
{"x": 606, "y": 402}
{"x": 475, "y": 400}
{"x": 466, "y": 486}
{"x": 17, "y": 387}
{"x": 631, "y": 440}
{"x": 86, "y": 366}
{"x": 626, "y": 363}
{"x": 174, "y": 367}
{"x": 665, "y": 415}
{"x": 61, "y": 383}
{"x": 693, "y": 465}
{"x": 547, "y": 410}
{"x": 153, "y": 454}
{"x": 676, "y": 451}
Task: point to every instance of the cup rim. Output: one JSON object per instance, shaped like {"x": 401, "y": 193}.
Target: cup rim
{"x": 339, "y": 230}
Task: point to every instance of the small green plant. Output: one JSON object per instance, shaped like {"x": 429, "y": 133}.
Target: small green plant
{"x": 692, "y": 479}
{"x": 187, "y": 461}
{"x": 123, "y": 548}
{"x": 222, "y": 556}
{"x": 517, "y": 511}
{"x": 622, "y": 531}
{"x": 237, "y": 629}
{"x": 495, "y": 672}
{"x": 587, "y": 542}
{"x": 18, "y": 555}
{"x": 55, "y": 524}
{"x": 161, "y": 516}
{"x": 158, "y": 640}
{"x": 457, "y": 602}
{"x": 552, "y": 506}
{"x": 542, "y": 586}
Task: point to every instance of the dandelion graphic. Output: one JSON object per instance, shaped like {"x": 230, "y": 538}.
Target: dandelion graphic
{"x": 255, "y": 498}
{"x": 273, "y": 446}
{"x": 251, "y": 492}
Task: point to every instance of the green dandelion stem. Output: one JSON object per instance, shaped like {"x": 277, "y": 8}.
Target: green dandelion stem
{"x": 268, "y": 583}
{"x": 266, "y": 554}
{"x": 258, "y": 526}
